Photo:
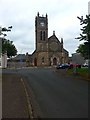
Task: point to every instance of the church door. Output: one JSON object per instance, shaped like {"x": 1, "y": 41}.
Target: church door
{"x": 54, "y": 61}
{"x": 35, "y": 62}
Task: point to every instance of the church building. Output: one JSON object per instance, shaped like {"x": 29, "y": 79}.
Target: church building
{"x": 49, "y": 51}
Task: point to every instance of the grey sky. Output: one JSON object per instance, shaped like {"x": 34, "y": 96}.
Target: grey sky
{"x": 62, "y": 17}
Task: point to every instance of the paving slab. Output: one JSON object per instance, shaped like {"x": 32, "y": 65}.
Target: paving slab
{"x": 0, "y": 96}
{"x": 14, "y": 102}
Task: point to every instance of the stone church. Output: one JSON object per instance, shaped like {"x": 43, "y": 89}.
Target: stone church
{"x": 49, "y": 51}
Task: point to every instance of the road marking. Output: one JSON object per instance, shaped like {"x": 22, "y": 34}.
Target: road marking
{"x": 30, "y": 110}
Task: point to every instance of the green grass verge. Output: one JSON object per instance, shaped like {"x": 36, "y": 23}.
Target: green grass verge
{"x": 80, "y": 71}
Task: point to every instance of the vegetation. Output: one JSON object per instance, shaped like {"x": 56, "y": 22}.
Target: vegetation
{"x": 85, "y": 35}
{"x": 83, "y": 72}
{"x": 8, "y": 46}
{"x": 82, "y": 48}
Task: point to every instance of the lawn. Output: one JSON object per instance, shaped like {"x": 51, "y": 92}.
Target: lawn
{"x": 80, "y": 71}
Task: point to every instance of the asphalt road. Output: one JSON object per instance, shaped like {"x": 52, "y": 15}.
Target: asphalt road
{"x": 58, "y": 95}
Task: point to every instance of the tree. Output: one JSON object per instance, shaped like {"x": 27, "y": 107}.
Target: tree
{"x": 85, "y": 35}
{"x": 82, "y": 48}
{"x": 8, "y": 46}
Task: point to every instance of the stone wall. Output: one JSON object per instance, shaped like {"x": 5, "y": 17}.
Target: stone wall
{"x": 16, "y": 64}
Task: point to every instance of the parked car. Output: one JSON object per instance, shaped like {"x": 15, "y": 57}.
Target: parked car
{"x": 75, "y": 65}
{"x": 85, "y": 65}
{"x": 62, "y": 66}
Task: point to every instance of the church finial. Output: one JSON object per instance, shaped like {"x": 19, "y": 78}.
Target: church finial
{"x": 61, "y": 40}
{"x": 38, "y": 14}
{"x": 53, "y": 32}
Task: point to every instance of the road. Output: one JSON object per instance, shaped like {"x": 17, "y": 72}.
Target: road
{"x": 58, "y": 95}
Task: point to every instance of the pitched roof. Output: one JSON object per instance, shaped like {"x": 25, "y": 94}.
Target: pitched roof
{"x": 53, "y": 38}
{"x": 20, "y": 56}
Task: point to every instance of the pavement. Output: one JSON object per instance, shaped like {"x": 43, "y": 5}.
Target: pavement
{"x": 0, "y": 95}
{"x": 14, "y": 100}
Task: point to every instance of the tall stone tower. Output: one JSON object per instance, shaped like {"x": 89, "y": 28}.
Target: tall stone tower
{"x": 41, "y": 34}
{"x": 41, "y": 31}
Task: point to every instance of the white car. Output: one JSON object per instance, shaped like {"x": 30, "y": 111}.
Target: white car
{"x": 85, "y": 65}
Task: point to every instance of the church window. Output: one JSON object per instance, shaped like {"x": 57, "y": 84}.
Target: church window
{"x": 44, "y": 35}
{"x": 40, "y": 35}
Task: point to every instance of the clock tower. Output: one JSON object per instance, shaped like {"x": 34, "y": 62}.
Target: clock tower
{"x": 41, "y": 33}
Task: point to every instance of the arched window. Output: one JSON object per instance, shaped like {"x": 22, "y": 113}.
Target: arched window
{"x": 44, "y": 35}
{"x": 40, "y": 35}
{"x": 54, "y": 61}
{"x": 35, "y": 61}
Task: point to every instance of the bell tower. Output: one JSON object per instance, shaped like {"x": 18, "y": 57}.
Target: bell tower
{"x": 41, "y": 33}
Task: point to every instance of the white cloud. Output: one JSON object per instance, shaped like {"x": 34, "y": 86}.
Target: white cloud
{"x": 62, "y": 17}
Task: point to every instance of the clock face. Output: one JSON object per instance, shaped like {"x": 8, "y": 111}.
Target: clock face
{"x": 42, "y": 24}
{"x": 54, "y": 46}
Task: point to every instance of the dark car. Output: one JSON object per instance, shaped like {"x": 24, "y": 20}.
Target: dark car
{"x": 62, "y": 66}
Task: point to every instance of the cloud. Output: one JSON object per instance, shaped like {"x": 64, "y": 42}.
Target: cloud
{"x": 62, "y": 17}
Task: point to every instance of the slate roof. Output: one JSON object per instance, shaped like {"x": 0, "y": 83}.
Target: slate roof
{"x": 20, "y": 56}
